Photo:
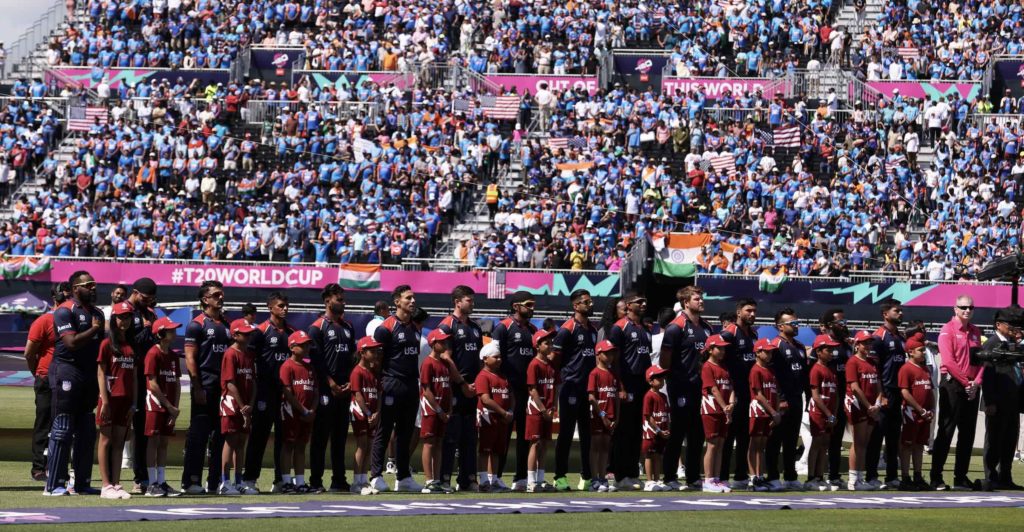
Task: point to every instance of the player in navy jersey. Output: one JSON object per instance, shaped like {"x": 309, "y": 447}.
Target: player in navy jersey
{"x": 739, "y": 359}
{"x": 399, "y": 379}
{"x": 891, "y": 355}
{"x": 790, "y": 367}
{"x": 269, "y": 345}
{"x": 574, "y": 348}
{"x": 334, "y": 343}
{"x": 206, "y": 339}
{"x": 460, "y": 433}
{"x": 514, "y": 336}
{"x": 633, "y": 340}
{"x": 833, "y": 323}
{"x": 681, "y": 354}
{"x": 78, "y": 325}
{"x": 141, "y": 339}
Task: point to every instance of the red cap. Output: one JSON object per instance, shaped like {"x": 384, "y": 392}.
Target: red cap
{"x": 437, "y": 335}
{"x": 298, "y": 338}
{"x": 367, "y": 342}
{"x": 604, "y": 346}
{"x": 713, "y": 340}
{"x": 241, "y": 326}
{"x": 824, "y": 340}
{"x": 764, "y": 344}
{"x": 913, "y": 343}
{"x": 121, "y": 309}
{"x": 863, "y": 336}
{"x": 655, "y": 371}
{"x": 163, "y": 324}
{"x": 540, "y": 335}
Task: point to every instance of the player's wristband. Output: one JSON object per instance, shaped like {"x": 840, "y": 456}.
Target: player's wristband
{"x": 602, "y": 414}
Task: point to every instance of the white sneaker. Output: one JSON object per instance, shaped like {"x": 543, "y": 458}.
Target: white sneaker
{"x": 408, "y": 484}
{"x": 534, "y": 488}
{"x": 227, "y": 489}
{"x": 776, "y": 485}
{"x": 108, "y": 492}
{"x": 124, "y": 495}
{"x": 499, "y": 486}
{"x": 377, "y": 485}
{"x": 519, "y": 485}
{"x": 834, "y": 485}
{"x": 674, "y": 485}
{"x": 739, "y": 484}
{"x": 650, "y": 485}
{"x": 612, "y": 487}
{"x": 710, "y": 486}
{"x": 794, "y": 485}
{"x": 365, "y": 489}
{"x": 602, "y": 486}
{"x": 630, "y": 484}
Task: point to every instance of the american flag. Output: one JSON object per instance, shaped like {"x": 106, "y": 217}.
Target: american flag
{"x": 462, "y": 104}
{"x": 893, "y": 163}
{"x": 729, "y": 5}
{"x": 496, "y": 284}
{"x": 787, "y": 136}
{"x": 765, "y": 136}
{"x": 725, "y": 162}
{"x": 564, "y": 143}
{"x": 908, "y": 52}
{"x": 500, "y": 107}
{"x": 83, "y": 118}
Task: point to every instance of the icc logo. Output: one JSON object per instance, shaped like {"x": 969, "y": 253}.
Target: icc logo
{"x": 280, "y": 60}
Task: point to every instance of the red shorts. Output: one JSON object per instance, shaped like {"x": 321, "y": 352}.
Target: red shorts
{"x": 361, "y": 427}
{"x": 915, "y": 432}
{"x": 233, "y": 424}
{"x": 159, "y": 424}
{"x": 597, "y": 427}
{"x": 854, "y": 412}
{"x": 493, "y": 438}
{"x": 819, "y": 425}
{"x": 714, "y": 426}
{"x": 655, "y": 446}
{"x": 431, "y": 426}
{"x": 537, "y": 428}
{"x": 296, "y": 430}
{"x": 760, "y": 427}
{"x": 120, "y": 412}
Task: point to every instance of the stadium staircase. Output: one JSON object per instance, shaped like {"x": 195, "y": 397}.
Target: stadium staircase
{"x": 27, "y": 55}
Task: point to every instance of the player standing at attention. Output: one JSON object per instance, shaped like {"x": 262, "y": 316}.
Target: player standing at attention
{"x": 918, "y": 411}
{"x": 821, "y": 411}
{"x": 163, "y": 393}
{"x": 656, "y": 429}
{"x": 238, "y": 382}
{"x": 861, "y": 405}
{"x": 117, "y": 368}
{"x": 365, "y": 408}
{"x": 790, "y": 366}
{"x": 298, "y": 410}
{"x": 494, "y": 414}
{"x": 542, "y": 381}
{"x": 514, "y": 336}
{"x": 717, "y": 404}
{"x": 603, "y": 392}
{"x": 764, "y": 411}
{"x": 632, "y": 339}
{"x": 740, "y": 359}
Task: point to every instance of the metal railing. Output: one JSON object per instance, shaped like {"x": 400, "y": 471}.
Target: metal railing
{"x": 983, "y": 119}
{"x": 635, "y": 265}
{"x": 21, "y": 50}
{"x": 241, "y": 64}
{"x": 57, "y": 103}
{"x": 57, "y": 77}
{"x": 263, "y": 111}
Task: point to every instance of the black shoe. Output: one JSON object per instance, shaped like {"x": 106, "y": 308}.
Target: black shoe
{"x": 38, "y": 476}
{"x": 287, "y": 489}
{"x": 985, "y": 485}
{"x": 906, "y": 484}
{"x": 963, "y": 484}
{"x": 1009, "y": 486}
{"x": 315, "y": 490}
{"x": 939, "y": 485}
{"x": 342, "y": 486}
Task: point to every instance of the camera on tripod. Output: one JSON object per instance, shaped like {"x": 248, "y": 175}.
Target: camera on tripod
{"x": 1009, "y": 352}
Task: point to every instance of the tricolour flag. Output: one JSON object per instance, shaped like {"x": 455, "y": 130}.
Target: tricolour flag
{"x": 359, "y": 276}
{"x": 500, "y": 107}
{"x": 770, "y": 281}
{"x": 787, "y": 136}
{"x": 83, "y": 118}
{"x": 18, "y": 267}
{"x": 676, "y": 253}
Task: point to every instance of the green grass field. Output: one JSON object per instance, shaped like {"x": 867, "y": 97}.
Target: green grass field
{"x": 17, "y": 491}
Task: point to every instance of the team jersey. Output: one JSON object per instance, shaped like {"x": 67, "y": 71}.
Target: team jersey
{"x": 862, "y": 372}
{"x": 634, "y": 343}
{"x": 300, "y": 379}
{"x": 120, "y": 368}
{"x": 515, "y": 343}
{"x": 790, "y": 367}
{"x": 497, "y": 387}
{"x": 604, "y": 386}
{"x": 656, "y": 414}
{"x": 889, "y": 348}
{"x": 332, "y": 352}
{"x": 74, "y": 318}
{"x": 401, "y": 347}
{"x": 436, "y": 377}
{"x": 269, "y": 344}
{"x": 576, "y": 342}
{"x": 762, "y": 379}
{"x": 840, "y": 356}
{"x": 465, "y": 342}
{"x": 211, "y": 339}
{"x": 238, "y": 368}
{"x": 686, "y": 341}
{"x": 545, "y": 378}
{"x": 140, "y": 333}
{"x": 41, "y": 333}
{"x": 824, "y": 379}
{"x": 714, "y": 375}
{"x": 166, "y": 369}
{"x": 919, "y": 381}
{"x": 739, "y": 356}
{"x": 365, "y": 382}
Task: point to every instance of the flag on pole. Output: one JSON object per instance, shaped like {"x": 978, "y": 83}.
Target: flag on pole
{"x": 462, "y": 105}
{"x": 18, "y": 267}
{"x": 500, "y": 107}
{"x": 83, "y": 118}
{"x": 359, "y": 276}
{"x": 787, "y": 136}
{"x": 770, "y": 281}
{"x": 496, "y": 284}
{"x": 724, "y": 163}
{"x": 766, "y": 137}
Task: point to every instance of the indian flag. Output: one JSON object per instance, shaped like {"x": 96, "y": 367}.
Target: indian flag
{"x": 359, "y": 276}
{"x": 17, "y": 267}
{"x": 676, "y": 253}
{"x": 770, "y": 281}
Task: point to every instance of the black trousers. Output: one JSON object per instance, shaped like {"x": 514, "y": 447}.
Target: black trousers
{"x": 956, "y": 414}
{"x": 263, "y": 419}
{"x": 686, "y": 425}
{"x": 460, "y": 434}
{"x": 889, "y": 427}
{"x": 835, "y": 445}
{"x": 521, "y": 395}
{"x": 41, "y": 427}
{"x": 785, "y": 438}
{"x": 203, "y": 437}
{"x": 329, "y": 426}
{"x": 573, "y": 412}
{"x": 139, "y": 439}
{"x": 1001, "y": 431}
{"x": 738, "y": 438}
{"x": 627, "y": 438}
{"x": 398, "y": 415}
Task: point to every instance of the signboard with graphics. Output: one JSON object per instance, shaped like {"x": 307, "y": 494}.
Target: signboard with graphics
{"x": 91, "y": 77}
{"x": 352, "y": 80}
{"x": 640, "y": 70}
{"x": 273, "y": 64}
{"x": 523, "y": 83}
{"x": 715, "y": 88}
{"x": 1009, "y": 74}
{"x": 928, "y": 90}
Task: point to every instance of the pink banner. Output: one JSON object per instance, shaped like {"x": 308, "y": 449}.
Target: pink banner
{"x": 523, "y": 82}
{"x": 928, "y": 90}
{"x": 433, "y": 282}
{"x": 985, "y": 296}
{"x": 715, "y": 88}
{"x": 195, "y": 274}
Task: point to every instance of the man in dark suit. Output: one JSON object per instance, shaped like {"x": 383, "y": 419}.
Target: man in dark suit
{"x": 1001, "y": 399}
